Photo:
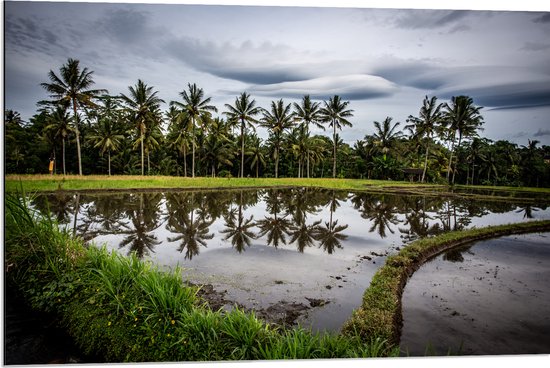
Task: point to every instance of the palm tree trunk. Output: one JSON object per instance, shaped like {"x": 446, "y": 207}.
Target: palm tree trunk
{"x": 109, "y": 160}
{"x": 334, "y": 158}
{"x": 456, "y": 157}
{"x": 77, "y": 132}
{"x": 193, "y": 143}
{"x": 184, "y": 162}
{"x": 451, "y": 158}
{"x": 63, "y": 142}
{"x": 425, "y": 162}
{"x": 242, "y": 148}
{"x": 276, "y": 161}
{"x": 148, "y": 164}
{"x": 142, "y": 156}
{"x": 257, "y": 165}
{"x": 473, "y": 171}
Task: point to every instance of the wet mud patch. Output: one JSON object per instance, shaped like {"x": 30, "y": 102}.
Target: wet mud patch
{"x": 484, "y": 299}
{"x": 282, "y": 313}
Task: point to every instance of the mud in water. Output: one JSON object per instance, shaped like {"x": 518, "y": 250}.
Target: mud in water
{"x": 489, "y": 298}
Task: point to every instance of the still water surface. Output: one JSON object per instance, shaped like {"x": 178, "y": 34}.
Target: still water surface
{"x": 313, "y": 248}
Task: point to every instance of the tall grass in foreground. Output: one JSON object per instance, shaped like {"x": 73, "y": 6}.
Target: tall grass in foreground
{"x": 126, "y": 310}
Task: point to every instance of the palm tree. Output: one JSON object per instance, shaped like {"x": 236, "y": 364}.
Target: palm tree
{"x": 243, "y": 112}
{"x": 256, "y": 154}
{"x": 217, "y": 146}
{"x": 197, "y": 109}
{"x": 308, "y": 113}
{"x": 179, "y": 133}
{"x": 59, "y": 123}
{"x": 461, "y": 116}
{"x": 142, "y": 104}
{"x": 107, "y": 136}
{"x": 426, "y": 124}
{"x": 239, "y": 229}
{"x": 386, "y": 135}
{"x": 336, "y": 114}
{"x": 277, "y": 120}
{"x": 72, "y": 87}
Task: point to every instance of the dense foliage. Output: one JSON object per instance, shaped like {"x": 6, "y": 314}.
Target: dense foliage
{"x": 89, "y": 132}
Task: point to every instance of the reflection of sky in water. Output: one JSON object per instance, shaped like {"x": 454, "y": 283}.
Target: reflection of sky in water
{"x": 250, "y": 276}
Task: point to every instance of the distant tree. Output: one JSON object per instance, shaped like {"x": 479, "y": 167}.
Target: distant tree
{"x": 72, "y": 87}
{"x": 60, "y": 125}
{"x": 278, "y": 120}
{"x": 426, "y": 124}
{"x": 308, "y": 112}
{"x": 142, "y": 105}
{"x": 243, "y": 112}
{"x": 463, "y": 117}
{"x": 197, "y": 109}
{"x": 335, "y": 113}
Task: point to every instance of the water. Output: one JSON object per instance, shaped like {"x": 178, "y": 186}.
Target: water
{"x": 487, "y": 298}
{"x": 272, "y": 249}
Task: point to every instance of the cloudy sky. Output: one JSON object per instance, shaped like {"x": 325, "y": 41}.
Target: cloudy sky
{"x": 384, "y": 61}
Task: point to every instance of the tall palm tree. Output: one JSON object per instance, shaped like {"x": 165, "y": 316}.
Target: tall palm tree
{"x": 243, "y": 111}
{"x": 308, "y": 113}
{"x": 386, "y": 135}
{"x": 196, "y": 109}
{"x": 426, "y": 124}
{"x": 335, "y": 113}
{"x": 279, "y": 119}
{"x": 107, "y": 136}
{"x": 461, "y": 116}
{"x": 217, "y": 146}
{"x": 142, "y": 104}
{"x": 60, "y": 125}
{"x": 72, "y": 87}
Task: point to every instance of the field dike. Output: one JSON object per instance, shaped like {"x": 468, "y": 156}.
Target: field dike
{"x": 380, "y": 313}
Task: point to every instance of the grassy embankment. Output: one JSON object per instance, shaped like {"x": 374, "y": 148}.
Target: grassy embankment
{"x": 126, "y": 310}
{"x": 38, "y": 183}
{"x": 380, "y": 312}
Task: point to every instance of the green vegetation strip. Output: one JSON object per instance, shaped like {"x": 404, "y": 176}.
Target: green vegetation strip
{"x": 127, "y": 310}
{"x": 380, "y": 312}
{"x": 32, "y": 183}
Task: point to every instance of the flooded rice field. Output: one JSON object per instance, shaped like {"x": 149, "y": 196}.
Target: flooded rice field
{"x": 300, "y": 255}
{"x": 487, "y": 298}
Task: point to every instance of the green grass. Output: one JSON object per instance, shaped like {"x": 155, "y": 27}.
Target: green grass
{"x": 33, "y": 183}
{"x": 39, "y": 183}
{"x": 380, "y": 311}
{"x": 127, "y": 310}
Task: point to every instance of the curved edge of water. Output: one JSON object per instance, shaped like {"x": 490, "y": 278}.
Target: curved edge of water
{"x": 380, "y": 313}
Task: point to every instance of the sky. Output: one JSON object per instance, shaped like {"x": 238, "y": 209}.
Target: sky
{"x": 383, "y": 61}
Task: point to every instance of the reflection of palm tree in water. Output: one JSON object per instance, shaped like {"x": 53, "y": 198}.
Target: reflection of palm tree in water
{"x": 527, "y": 211}
{"x": 237, "y": 228}
{"x": 144, "y": 218}
{"x": 380, "y": 211}
{"x": 276, "y": 228}
{"x": 192, "y": 230}
{"x": 329, "y": 236}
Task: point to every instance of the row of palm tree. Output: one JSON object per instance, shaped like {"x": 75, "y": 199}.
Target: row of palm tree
{"x": 434, "y": 140}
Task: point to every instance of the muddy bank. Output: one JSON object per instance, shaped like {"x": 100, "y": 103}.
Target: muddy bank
{"x": 484, "y": 299}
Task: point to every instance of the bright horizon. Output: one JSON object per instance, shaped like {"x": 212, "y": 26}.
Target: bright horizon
{"x": 384, "y": 61}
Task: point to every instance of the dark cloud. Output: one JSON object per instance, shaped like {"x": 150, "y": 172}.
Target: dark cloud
{"x": 125, "y": 26}
{"x": 542, "y": 132}
{"x": 351, "y": 87}
{"x": 430, "y": 19}
{"x": 535, "y": 46}
{"x": 248, "y": 63}
{"x": 544, "y": 18}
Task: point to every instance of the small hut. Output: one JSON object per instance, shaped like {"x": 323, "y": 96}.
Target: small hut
{"x": 413, "y": 172}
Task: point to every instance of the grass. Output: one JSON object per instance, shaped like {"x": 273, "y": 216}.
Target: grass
{"x": 98, "y": 182}
{"x": 40, "y": 183}
{"x": 380, "y": 311}
{"x": 127, "y": 310}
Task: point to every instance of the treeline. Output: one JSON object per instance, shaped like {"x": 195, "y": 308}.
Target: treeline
{"x": 87, "y": 131}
